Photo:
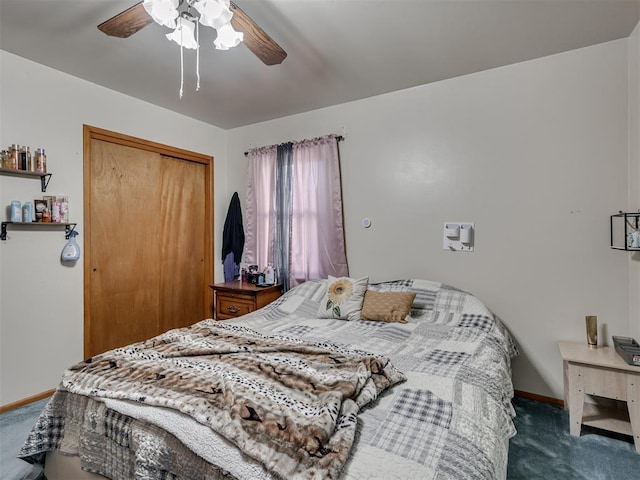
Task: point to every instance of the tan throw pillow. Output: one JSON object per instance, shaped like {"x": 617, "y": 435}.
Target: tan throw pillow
{"x": 387, "y": 306}
{"x": 344, "y": 298}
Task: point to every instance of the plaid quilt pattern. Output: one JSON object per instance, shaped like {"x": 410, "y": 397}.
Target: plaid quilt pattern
{"x": 462, "y": 459}
{"x": 416, "y": 428}
{"x": 480, "y": 322}
{"x": 443, "y": 363}
{"x": 450, "y": 420}
{"x": 447, "y": 357}
{"x": 296, "y": 330}
{"x": 47, "y": 434}
{"x": 392, "y": 333}
{"x": 116, "y": 428}
{"x": 449, "y": 300}
{"x": 422, "y": 405}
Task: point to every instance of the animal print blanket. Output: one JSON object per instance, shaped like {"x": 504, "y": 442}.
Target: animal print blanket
{"x": 292, "y": 404}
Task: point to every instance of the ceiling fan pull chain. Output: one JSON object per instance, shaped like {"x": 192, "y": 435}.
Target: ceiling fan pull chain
{"x": 198, "y": 55}
{"x": 181, "y": 65}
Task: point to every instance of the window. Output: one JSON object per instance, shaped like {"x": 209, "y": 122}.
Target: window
{"x": 294, "y": 210}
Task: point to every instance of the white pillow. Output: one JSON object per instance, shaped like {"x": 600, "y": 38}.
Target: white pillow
{"x": 344, "y": 298}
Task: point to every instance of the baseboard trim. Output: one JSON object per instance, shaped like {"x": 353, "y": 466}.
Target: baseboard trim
{"x": 539, "y": 398}
{"x": 26, "y": 401}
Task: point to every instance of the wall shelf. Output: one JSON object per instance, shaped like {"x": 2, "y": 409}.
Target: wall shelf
{"x": 68, "y": 227}
{"x": 44, "y": 177}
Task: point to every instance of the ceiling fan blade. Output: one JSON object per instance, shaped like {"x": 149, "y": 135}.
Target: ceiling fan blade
{"x": 126, "y": 23}
{"x": 256, "y": 39}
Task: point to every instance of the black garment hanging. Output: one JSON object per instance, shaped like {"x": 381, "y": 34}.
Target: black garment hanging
{"x": 232, "y": 239}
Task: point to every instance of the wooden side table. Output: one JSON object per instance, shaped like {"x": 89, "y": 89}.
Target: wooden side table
{"x": 604, "y": 373}
{"x": 234, "y": 299}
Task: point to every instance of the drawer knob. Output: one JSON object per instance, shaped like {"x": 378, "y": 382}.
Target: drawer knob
{"x": 233, "y": 309}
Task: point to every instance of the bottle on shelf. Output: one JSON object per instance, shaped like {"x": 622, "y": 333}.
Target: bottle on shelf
{"x": 40, "y": 164}
{"x": 16, "y": 211}
{"x": 23, "y": 158}
{"x": 29, "y": 165}
{"x": 27, "y": 212}
{"x": 13, "y": 156}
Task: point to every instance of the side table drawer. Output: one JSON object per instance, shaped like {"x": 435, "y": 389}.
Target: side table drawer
{"x": 235, "y": 299}
{"x": 232, "y": 306}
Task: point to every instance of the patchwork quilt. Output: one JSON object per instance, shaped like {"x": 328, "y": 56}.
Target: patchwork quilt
{"x": 216, "y": 393}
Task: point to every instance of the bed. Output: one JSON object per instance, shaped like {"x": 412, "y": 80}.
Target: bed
{"x": 421, "y": 396}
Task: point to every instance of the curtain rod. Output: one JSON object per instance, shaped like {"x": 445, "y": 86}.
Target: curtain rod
{"x": 338, "y": 138}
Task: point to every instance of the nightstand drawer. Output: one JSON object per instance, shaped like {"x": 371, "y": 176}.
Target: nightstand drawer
{"x": 234, "y": 299}
{"x": 231, "y": 306}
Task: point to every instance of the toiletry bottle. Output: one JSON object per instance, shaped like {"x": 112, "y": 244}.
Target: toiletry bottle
{"x": 55, "y": 212}
{"x": 243, "y": 274}
{"x": 40, "y": 164}
{"x": 71, "y": 250}
{"x": 27, "y": 212}
{"x": 269, "y": 275}
{"x": 13, "y": 156}
{"x": 16, "y": 211}
{"x": 29, "y": 165}
{"x": 23, "y": 158}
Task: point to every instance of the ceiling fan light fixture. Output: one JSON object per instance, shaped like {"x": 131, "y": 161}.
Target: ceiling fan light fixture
{"x": 213, "y": 13}
{"x": 184, "y": 34}
{"x": 163, "y": 12}
{"x": 227, "y": 37}
{"x": 185, "y": 17}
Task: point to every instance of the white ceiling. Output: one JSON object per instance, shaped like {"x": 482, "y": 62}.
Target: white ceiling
{"x": 338, "y": 50}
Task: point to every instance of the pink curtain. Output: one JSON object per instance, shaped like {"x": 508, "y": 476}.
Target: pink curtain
{"x": 317, "y": 230}
{"x": 259, "y": 235}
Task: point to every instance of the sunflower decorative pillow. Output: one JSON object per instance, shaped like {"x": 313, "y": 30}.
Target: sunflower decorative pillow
{"x": 344, "y": 298}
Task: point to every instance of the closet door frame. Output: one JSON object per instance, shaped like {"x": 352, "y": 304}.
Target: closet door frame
{"x": 93, "y": 133}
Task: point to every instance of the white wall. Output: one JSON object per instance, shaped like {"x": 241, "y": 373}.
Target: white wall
{"x": 534, "y": 153}
{"x": 41, "y": 301}
{"x": 634, "y": 175}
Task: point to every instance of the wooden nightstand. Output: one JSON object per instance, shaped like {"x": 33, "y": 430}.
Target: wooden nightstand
{"x": 234, "y": 299}
{"x": 601, "y": 372}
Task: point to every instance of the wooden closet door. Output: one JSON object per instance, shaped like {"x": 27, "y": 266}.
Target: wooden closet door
{"x": 182, "y": 244}
{"x": 124, "y": 245}
{"x": 148, "y": 239}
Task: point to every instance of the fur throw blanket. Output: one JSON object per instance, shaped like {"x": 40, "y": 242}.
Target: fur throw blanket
{"x": 292, "y": 404}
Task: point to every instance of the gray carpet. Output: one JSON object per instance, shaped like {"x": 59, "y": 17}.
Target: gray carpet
{"x": 14, "y": 428}
{"x": 542, "y": 449}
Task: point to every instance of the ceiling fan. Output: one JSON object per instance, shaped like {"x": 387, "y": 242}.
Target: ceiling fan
{"x": 135, "y": 18}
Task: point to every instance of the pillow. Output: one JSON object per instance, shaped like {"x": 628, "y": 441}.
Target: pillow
{"x": 387, "y": 306}
{"x": 344, "y": 298}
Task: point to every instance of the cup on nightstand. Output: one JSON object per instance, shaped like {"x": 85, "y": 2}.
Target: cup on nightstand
{"x": 592, "y": 331}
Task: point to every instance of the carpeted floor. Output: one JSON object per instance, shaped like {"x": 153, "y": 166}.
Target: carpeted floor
{"x": 542, "y": 449}
{"x": 15, "y": 425}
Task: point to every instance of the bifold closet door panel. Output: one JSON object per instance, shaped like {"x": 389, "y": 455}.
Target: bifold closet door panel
{"x": 183, "y": 244}
{"x": 125, "y": 245}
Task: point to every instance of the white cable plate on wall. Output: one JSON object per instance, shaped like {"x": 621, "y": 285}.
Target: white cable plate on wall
{"x": 458, "y": 236}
